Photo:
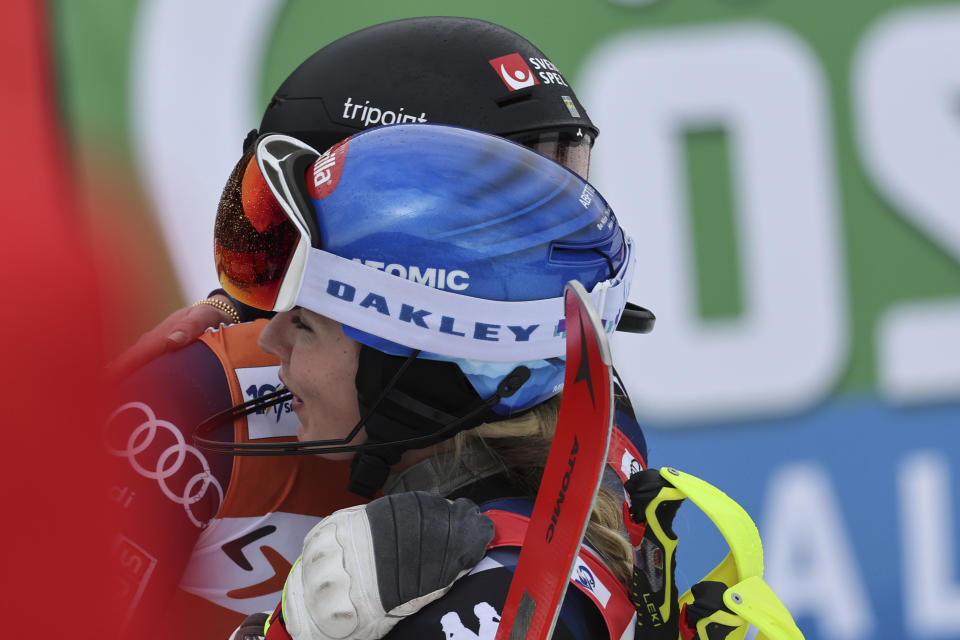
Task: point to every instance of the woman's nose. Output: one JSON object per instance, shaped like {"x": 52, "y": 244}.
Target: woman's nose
{"x": 274, "y": 337}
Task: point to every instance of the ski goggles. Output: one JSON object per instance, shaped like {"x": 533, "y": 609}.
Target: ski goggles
{"x": 268, "y": 255}
{"x": 570, "y": 147}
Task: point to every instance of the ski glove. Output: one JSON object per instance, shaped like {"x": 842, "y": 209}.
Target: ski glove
{"x": 365, "y": 568}
{"x": 654, "y": 502}
{"x": 707, "y": 618}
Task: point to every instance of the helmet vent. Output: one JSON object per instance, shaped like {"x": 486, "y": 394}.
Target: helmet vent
{"x": 514, "y": 98}
{"x": 578, "y": 256}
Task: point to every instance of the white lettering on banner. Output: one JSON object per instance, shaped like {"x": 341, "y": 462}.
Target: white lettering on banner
{"x": 440, "y": 278}
{"x": 371, "y": 115}
{"x": 931, "y": 597}
{"x": 761, "y": 85}
{"x": 809, "y": 560}
{"x": 909, "y": 136}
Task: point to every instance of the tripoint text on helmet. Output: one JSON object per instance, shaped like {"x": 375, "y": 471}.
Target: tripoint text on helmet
{"x": 371, "y": 115}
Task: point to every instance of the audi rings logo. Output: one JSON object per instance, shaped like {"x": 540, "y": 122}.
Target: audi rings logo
{"x": 169, "y": 462}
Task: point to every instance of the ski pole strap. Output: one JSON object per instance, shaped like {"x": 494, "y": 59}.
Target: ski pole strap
{"x": 589, "y": 574}
{"x": 707, "y": 617}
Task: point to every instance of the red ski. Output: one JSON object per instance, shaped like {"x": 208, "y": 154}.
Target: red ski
{"x": 571, "y": 477}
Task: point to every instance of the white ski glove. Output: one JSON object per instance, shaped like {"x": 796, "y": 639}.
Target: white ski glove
{"x": 365, "y": 568}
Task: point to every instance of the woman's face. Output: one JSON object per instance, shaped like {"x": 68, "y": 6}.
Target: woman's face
{"x": 318, "y": 364}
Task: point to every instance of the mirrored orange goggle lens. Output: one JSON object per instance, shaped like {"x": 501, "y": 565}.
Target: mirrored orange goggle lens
{"x": 253, "y": 238}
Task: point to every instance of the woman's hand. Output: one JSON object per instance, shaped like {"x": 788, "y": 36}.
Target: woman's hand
{"x": 178, "y": 330}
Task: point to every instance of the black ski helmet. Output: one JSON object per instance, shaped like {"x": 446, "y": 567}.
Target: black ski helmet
{"x": 458, "y": 71}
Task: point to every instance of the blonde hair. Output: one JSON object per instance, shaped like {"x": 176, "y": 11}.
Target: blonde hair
{"x": 522, "y": 445}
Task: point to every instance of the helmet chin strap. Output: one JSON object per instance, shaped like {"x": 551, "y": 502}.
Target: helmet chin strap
{"x": 417, "y": 403}
{"x": 395, "y": 421}
{"x": 339, "y": 445}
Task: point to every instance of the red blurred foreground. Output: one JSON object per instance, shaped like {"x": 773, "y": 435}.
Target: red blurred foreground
{"x": 56, "y": 534}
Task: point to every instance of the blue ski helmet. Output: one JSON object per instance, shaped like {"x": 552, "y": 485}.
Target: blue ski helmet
{"x": 443, "y": 251}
